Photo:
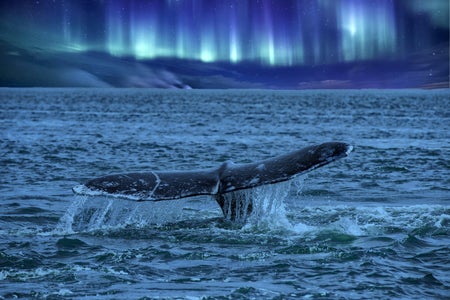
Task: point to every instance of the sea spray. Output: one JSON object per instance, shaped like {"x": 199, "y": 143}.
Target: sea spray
{"x": 66, "y": 222}
{"x": 105, "y": 213}
{"x": 260, "y": 207}
{"x": 269, "y": 206}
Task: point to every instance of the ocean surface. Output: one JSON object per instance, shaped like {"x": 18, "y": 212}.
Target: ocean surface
{"x": 374, "y": 225}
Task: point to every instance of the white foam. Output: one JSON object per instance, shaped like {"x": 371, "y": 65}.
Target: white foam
{"x": 3, "y": 274}
{"x": 349, "y": 149}
{"x": 348, "y": 225}
{"x": 24, "y": 275}
{"x": 64, "y": 292}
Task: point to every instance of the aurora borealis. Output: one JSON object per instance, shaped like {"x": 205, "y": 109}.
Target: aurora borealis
{"x": 234, "y": 31}
{"x": 274, "y": 35}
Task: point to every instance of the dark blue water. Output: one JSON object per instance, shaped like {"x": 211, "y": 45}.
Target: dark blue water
{"x": 375, "y": 225}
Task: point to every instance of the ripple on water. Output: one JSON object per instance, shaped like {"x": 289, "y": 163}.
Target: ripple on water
{"x": 375, "y": 225}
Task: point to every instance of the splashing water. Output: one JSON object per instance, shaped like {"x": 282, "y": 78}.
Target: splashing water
{"x": 260, "y": 207}
{"x": 268, "y": 206}
{"x": 106, "y": 213}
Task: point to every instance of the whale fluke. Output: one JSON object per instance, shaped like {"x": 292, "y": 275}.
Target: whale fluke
{"x": 228, "y": 178}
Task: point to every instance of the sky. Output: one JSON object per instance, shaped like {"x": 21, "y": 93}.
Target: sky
{"x": 280, "y": 44}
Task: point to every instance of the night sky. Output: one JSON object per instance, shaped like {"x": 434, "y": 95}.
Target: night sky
{"x": 282, "y": 44}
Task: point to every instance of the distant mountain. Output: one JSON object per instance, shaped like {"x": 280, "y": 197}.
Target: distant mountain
{"x": 38, "y": 67}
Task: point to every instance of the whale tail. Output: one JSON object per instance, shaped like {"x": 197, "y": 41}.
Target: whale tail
{"x": 224, "y": 183}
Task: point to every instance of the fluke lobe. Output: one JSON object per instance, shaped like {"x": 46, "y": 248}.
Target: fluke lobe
{"x": 223, "y": 183}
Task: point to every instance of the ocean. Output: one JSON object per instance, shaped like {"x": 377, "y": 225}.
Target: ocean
{"x": 373, "y": 225}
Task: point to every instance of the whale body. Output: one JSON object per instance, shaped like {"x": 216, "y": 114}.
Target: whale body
{"x": 221, "y": 183}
